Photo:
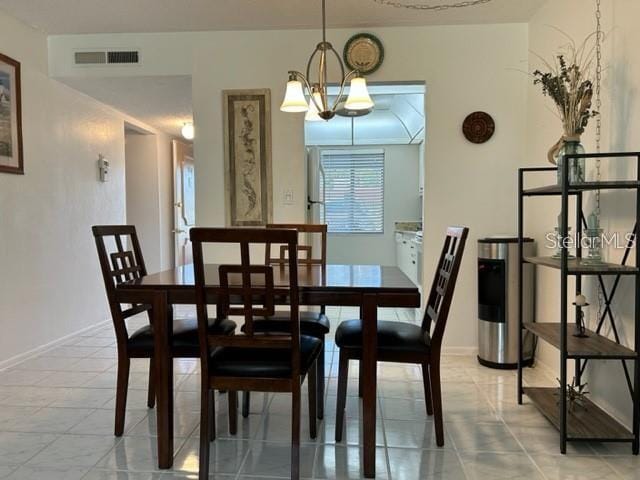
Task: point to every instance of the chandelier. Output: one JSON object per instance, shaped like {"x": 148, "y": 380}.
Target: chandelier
{"x": 317, "y": 107}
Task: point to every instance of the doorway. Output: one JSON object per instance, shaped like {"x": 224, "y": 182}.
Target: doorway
{"x": 365, "y": 179}
{"x": 184, "y": 200}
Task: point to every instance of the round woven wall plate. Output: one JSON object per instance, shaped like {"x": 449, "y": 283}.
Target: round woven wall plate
{"x": 363, "y": 52}
{"x": 478, "y": 127}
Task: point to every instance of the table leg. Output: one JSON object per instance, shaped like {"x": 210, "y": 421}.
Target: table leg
{"x": 368, "y": 377}
{"x": 163, "y": 362}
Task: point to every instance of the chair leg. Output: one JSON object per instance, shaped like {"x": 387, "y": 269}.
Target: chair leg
{"x": 246, "y": 401}
{"x": 151, "y": 396}
{"x": 205, "y": 433}
{"x": 426, "y": 380}
{"x": 122, "y": 387}
{"x": 233, "y": 412}
{"x": 212, "y": 416}
{"x": 295, "y": 431}
{"x": 360, "y": 384}
{"x": 436, "y": 394}
{"x": 312, "y": 384}
{"x": 343, "y": 378}
{"x": 321, "y": 381}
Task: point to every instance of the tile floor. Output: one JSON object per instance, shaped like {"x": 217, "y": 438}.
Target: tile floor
{"x": 56, "y": 421}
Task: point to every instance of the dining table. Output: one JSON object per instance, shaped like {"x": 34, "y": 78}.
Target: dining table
{"x": 365, "y": 286}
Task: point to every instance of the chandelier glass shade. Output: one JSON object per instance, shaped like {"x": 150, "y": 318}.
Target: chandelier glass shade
{"x": 317, "y": 105}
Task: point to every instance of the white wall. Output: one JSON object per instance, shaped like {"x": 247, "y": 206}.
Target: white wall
{"x": 164, "y": 163}
{"x": 401, "y": 203}
{"x": 466, "y": 184}
{"x": 51, "y": 283}
{"x": 143, "y": 196}
{"x": 621, "y": 122}
{"x": 149, "y": 191}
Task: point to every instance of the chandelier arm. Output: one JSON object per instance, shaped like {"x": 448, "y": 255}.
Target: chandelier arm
{"x": 342, "y": 76}
{"x": 313, "y": 55}
{"x": 322, "y": 80}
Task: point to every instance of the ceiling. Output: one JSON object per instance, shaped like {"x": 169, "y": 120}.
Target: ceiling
{"x": 397, "y": 119}
{"x": 132, "y": 16}
{"x": 162, "y": 102}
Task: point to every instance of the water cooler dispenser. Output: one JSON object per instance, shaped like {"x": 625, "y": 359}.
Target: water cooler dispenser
{"x": 498, "y": 302}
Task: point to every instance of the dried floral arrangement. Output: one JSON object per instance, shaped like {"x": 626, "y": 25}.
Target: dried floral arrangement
{"x": 568, "y": 81}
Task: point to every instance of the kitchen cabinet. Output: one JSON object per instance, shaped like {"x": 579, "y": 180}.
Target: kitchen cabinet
{"x": 407, "y": 255}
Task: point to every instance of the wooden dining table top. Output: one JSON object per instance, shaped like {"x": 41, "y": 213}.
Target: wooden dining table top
{"x": 349, "y": 278}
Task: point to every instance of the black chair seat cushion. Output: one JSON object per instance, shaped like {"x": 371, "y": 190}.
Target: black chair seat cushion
{"x": 392, "y": 336}
{"x": 185, "y": 334}
{"x": 314, "y": 324}
{"x": 263, "y": 362}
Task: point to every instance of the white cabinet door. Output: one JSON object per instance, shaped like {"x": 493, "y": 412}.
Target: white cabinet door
{"x": 399, "y": 250}
{"x": 407, "y": 255}
{"x": 412, "y": 265}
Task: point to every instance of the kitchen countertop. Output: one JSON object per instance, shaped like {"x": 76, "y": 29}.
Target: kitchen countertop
{"x": 408, "y": 227}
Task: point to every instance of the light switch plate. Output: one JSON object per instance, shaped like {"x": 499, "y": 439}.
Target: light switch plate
{"x": 288, "y": 197}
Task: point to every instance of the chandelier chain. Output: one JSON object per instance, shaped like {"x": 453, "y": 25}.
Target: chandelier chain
{"x": 598, "y": 139}
{"x": 437, "y": 8}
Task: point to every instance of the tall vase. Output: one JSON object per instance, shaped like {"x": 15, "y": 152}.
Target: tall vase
{"x": 571, "y": 146}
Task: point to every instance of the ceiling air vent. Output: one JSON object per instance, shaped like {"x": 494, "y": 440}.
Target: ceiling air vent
{"x": 123, "y": 57}
{"x": 108, "y": 57}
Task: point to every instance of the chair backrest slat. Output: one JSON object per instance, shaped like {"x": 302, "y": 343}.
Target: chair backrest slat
{"x": 119, "y": 266}
{"x": 249, "y": 283}
{"x": 443, "y": 286}
{"x": 310, "y": 257}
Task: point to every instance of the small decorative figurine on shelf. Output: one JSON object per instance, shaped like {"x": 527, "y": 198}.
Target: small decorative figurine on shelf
{"x": 593, "y": 235}
{"x": 581, "y": 329}
{"x": 576, "y": 394}
{"x": 559, "y": 240}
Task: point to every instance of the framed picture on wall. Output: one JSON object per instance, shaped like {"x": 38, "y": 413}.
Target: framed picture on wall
{"x": 247, "y": 151}
{"x": 11, "y": 157}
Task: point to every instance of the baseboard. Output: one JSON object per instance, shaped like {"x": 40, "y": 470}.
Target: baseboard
{"x": 10, "y": 362}
{"x": 462, "y": 351}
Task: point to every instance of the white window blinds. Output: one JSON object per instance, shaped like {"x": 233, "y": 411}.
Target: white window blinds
{"x": 354, "y": 190}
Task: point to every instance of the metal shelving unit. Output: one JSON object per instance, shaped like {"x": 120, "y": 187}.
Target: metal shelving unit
{"x": 587, "y": 422}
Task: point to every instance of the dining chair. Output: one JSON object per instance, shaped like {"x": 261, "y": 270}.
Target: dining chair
{"x": 121, "y": 261}
{"x": 252, "y": 361}
{"x": 314, "y": 324}
{"x": 401, "y": 342}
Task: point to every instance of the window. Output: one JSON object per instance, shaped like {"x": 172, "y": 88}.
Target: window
{"x": 354, "y": 190}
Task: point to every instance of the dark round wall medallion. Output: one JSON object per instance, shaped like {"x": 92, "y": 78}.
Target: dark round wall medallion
{"x": 363, "y": 52}
{"x": 478, "y": 127}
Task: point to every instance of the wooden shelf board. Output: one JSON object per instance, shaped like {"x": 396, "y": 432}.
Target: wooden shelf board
{"x": 594, "y": 346}
{"x": 578, "y": 267}
{"x": 589, "y": 422}
{"x": 573, "y": 189}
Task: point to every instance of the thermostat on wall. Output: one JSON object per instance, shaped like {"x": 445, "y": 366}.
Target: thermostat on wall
{"x": 103, "y": 168}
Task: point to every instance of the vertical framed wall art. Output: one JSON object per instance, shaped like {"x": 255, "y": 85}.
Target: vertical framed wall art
{"x": 11, "y": 156}
{"x": 247, "y": 151}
